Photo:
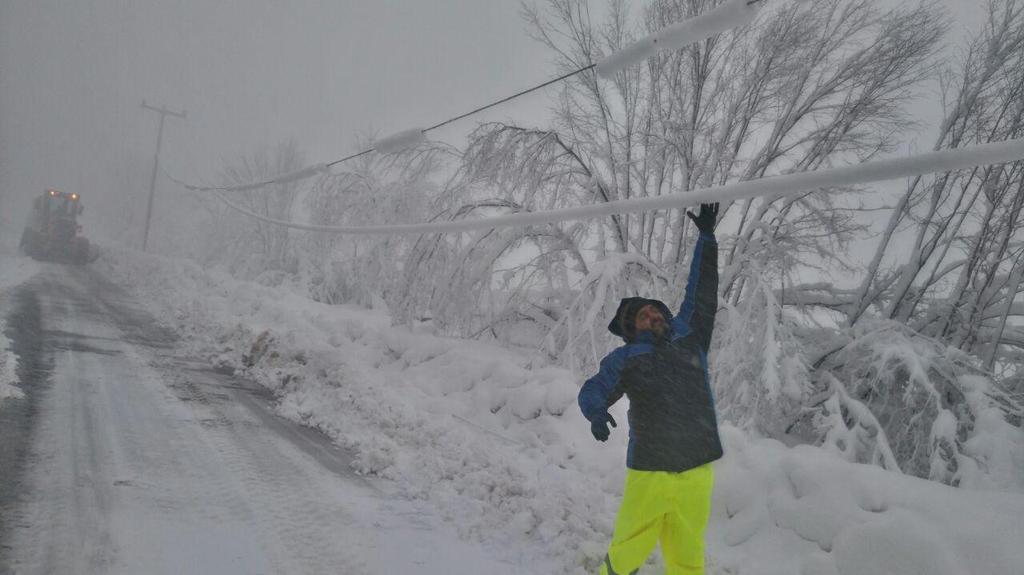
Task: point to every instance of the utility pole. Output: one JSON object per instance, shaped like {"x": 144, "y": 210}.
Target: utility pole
{"x": 164, "y": 112}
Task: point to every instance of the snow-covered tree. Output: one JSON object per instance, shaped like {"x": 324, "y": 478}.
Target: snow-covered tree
{"x": 914, "y": 367}
{"x": 245, "y": 245}
{"x": 946, "y": 277}
{"x": 802, "y": 87}
{"x": 959, "y": 279}
{"x": 375, "y": 189}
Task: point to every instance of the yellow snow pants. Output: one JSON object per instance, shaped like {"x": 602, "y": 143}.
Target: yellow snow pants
{"x": 658, "y": 505}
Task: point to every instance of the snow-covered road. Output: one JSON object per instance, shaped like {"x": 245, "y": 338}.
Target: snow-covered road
{"x": 145, "y": 461}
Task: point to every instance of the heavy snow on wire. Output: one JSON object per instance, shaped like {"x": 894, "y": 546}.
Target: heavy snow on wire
{"x": 726, "y": 16}
{"x": 783, "y": 185}
{"x": 400, "y": 141}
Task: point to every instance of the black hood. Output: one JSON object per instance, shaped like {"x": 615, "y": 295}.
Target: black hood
{"x": 622, "y": 324}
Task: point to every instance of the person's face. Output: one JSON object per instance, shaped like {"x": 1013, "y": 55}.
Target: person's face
{"x": 650, "y": 319}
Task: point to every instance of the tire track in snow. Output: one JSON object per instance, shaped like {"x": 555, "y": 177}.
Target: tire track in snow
{"x": 17, "y": 417}
{"x": 149, "y": 462}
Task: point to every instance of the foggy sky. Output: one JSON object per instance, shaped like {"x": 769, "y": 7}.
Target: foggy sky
{"x": 249, "y": 74}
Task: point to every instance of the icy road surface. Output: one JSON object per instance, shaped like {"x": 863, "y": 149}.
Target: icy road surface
{"x": 144, "y": 461}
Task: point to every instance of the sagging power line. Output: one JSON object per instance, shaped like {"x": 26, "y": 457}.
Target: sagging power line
{"x": 393, "y": 143}
{"x": 783, "y": 185}
{"x": 727, "y": 15}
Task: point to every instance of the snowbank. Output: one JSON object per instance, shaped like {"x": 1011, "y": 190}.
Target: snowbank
{"x": 802, "y": 510}
{"x": 500, "y": 449}
{"x": 8, "y": 373}
{"x": 13, "y": 271}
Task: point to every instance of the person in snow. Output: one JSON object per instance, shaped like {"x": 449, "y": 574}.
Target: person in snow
{"x": 673, "y": 430}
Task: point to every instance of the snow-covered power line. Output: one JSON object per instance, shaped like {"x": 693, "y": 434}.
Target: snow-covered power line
{"x": 400, "y": 141}
{"x": 295, "y": 176}
{"x": 390, "y": 144}
{"x": 727, "y": 15}
{"x": 783, "y": 185}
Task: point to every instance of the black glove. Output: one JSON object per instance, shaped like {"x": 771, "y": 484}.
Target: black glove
{"x": 707, "y": 219}
{"x": 599, "y": 426}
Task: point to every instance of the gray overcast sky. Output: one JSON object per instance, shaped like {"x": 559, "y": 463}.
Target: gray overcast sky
{"x": 74, "y": 73}
{"x": 249, "y": 73}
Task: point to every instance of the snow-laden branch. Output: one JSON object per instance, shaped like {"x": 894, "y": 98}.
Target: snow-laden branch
{"x": 816, "y": 295}
{"x": 784, "y": 185}
{"x": 1011, "y": 336}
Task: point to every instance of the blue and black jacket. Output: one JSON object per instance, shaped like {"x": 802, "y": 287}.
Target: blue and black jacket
{"x": 672, "y": 421}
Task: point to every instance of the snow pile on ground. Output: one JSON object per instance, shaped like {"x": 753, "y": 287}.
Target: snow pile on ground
{"x": 802, "y": 510}
{"x": 8, "y": 370}
{"x": 501, "y": 449}
{"x": 13, "y": 271}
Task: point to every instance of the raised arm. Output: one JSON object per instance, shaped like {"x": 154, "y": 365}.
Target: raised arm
{"x": 697, "y": 313}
